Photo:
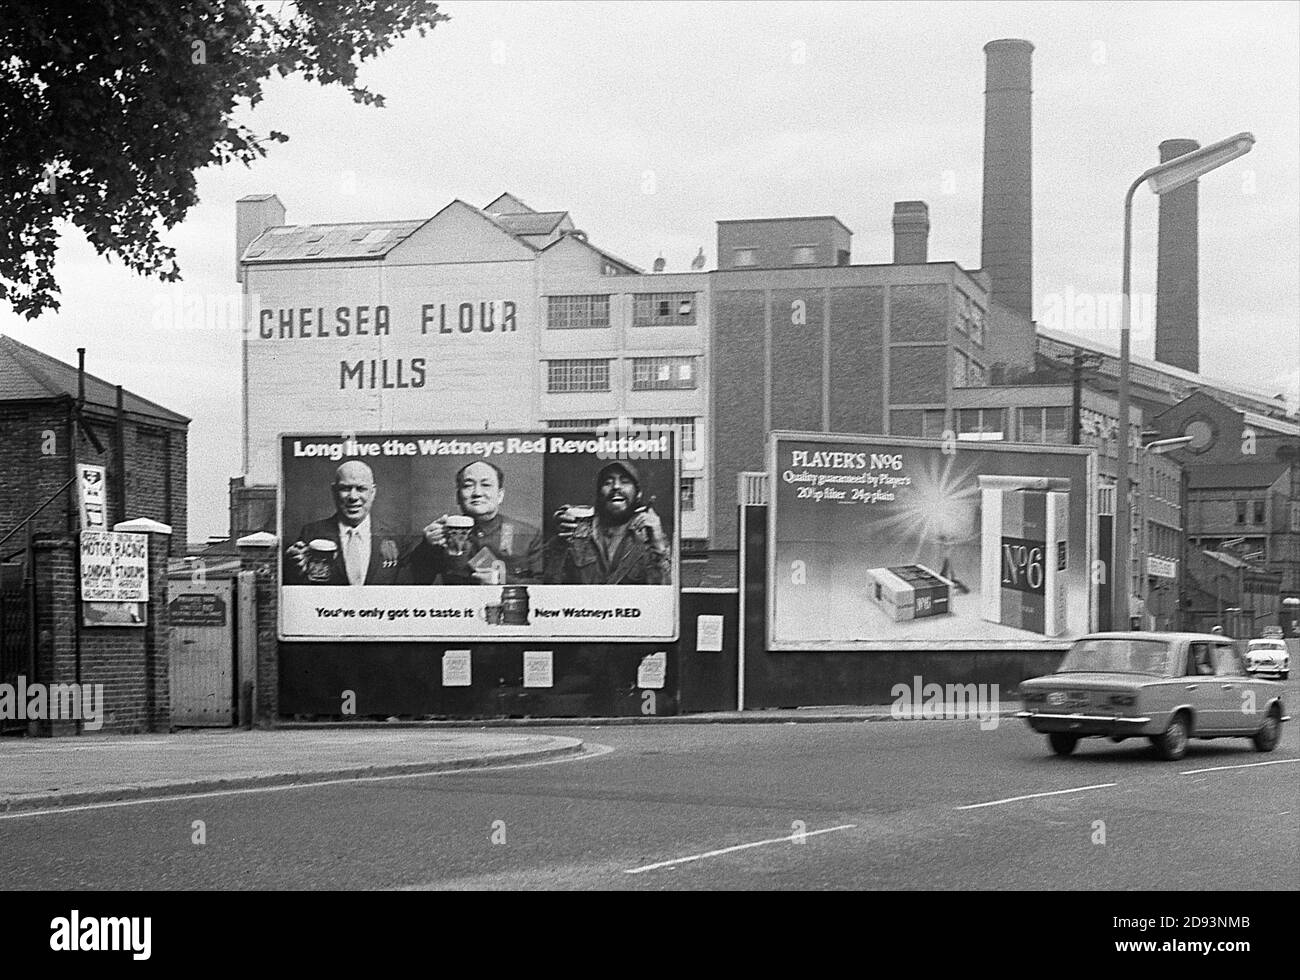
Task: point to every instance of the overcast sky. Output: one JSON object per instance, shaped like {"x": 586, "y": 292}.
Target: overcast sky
{"x": 650, "y": 121}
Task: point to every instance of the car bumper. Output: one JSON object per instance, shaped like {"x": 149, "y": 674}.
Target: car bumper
{"x": 1266, "y": 668}
{"x": 1084, "y": 724}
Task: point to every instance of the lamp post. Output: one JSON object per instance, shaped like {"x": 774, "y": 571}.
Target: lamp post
{"x": 1163, "y": 178}
{"x": 1143, "y": 544}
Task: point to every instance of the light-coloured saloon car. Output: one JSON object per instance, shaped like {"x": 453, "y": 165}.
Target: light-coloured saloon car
{"x": 1268, "y": 656}
{"x": 1168, "y": 687}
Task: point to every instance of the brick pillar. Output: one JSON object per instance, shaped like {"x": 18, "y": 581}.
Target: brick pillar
{"x": 259, "y": 554}
{"x": 157, "y": 640}
{"x": 55, "y": 574}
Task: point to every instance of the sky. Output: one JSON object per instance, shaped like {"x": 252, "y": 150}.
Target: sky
{"x": 651, "y": 121}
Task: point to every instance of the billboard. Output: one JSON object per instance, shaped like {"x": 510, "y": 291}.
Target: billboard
{"x": 880, "y": 543}
{"x": 563, "y": 534}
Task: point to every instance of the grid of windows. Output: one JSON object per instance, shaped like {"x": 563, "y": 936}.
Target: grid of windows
{"x": 1049, "y": 425}
{"x": 970, "y": 318}
{"x": 580, "y": 374}
{"x": 1250, "y": 512}
{"x": 662, "y": 373}
{"x": 577, "y": 312}
{"x": 663, "y": 309}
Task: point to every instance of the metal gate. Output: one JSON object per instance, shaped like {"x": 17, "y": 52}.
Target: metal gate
{"x": 14, "y": 636}
{"x": 202, "y": 654}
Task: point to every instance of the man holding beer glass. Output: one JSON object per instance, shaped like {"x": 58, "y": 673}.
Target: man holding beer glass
{"x": 480, "y": 545}
{"x": 619, "y": 541}
{"x": 345, "y": 549}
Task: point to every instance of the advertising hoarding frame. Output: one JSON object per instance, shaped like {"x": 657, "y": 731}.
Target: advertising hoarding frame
{"x": 775, "y": 437}
{"x": 671, "y": 636}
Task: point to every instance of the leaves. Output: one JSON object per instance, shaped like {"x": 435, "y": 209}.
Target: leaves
{"x": 107, "y": 110}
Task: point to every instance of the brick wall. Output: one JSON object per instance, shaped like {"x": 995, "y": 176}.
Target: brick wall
{"x": 262, "y": 562}
{"x": 131, "y": 662}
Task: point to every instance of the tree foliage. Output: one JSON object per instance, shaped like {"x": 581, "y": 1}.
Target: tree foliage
{"x": 109, "y": 107}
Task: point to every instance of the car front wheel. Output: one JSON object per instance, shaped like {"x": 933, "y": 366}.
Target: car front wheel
{"x": 1269, "y": 735}
{"x": 1172, "y": 745}
{"x": 1062, "y": 744}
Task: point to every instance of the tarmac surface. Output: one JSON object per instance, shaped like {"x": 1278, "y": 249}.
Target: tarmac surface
{"x": 41, "y": 773}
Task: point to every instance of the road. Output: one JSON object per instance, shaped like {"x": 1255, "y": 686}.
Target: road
{"x": 897, "y": 805}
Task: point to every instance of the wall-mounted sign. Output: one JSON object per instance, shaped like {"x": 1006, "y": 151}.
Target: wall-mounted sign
{"x": 652, "y": 670}
{"x": 456, "y": 668}
{"x": 1161, "y": 567}
{"x": 197, "y": 609}
{"x": 92, "y": 497}
{"x": 708, "y": 634}
{"x": 539, "y": 669}
{"x": 114, "y": 566}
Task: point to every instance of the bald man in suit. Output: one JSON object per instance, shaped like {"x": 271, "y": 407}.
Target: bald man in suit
{"x": 366, "y": 554}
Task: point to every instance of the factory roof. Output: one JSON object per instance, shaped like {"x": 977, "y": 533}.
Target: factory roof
{"x": 356, "y": 240}
{"x": 1233, "y": 476}
{"x": 529, "y": 222}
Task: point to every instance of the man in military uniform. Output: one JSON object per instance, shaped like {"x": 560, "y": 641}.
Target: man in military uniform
{"x": 624, "y": 545}
{"x": 500, "y": 550}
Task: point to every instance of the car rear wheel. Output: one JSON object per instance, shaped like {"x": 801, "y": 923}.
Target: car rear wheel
{"x": 1269, "y": 735}
{"x": 1062, "y": 744}
{"x": 1172, "y": 745}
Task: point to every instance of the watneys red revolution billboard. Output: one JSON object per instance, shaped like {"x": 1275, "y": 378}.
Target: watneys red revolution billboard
{"x": 483, "y": 535}
{"x": 880, "y": 543}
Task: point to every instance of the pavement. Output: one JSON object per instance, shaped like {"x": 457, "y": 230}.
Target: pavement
{"x": 44, "y": 773}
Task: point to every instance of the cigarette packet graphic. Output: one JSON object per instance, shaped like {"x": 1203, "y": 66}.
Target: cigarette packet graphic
{"x": 1025, "y": 526}
{"x": 909, "y": 591}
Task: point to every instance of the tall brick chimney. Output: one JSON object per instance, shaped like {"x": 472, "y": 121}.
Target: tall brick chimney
{"x": 1006, "y": 246}
{"x": 911, "y": 232}
{"x": 1178, "y": 331}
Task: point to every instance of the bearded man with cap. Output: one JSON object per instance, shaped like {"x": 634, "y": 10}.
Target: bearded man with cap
{"x": 627, "y": 544}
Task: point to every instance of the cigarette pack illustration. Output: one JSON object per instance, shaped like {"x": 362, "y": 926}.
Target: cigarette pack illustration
{"x": 909, "y": 591}
{"x": 1025, "y": 528}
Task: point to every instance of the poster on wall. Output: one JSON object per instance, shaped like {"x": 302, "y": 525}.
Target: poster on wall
{"x": 114, "y": 566}
{"x": 880, "y": 543}
{"x": 92, "y": 501}
{"x": 561, "y": 534}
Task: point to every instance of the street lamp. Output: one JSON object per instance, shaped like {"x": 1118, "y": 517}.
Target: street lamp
{"x": 1143, "y": 545}
{"x": 1162, "y": 178}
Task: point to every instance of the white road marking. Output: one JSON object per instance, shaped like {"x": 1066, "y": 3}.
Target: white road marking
{"x": 1245, "y": 765}
{"x": 592, "y": 752}
{"x": 738, "y": 847}
{"x": 1035, "y": 796}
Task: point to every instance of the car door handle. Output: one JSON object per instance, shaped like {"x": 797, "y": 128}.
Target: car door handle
{"x": 1227, "y": 687}
{"x": 1191, "y": 687}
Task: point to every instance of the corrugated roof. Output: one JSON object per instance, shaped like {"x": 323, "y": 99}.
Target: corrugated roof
{"x": 26, "y": 373}
{"x": 358, "y": 240}
{"x": 534, "y": 223}
{"x": 1233, "y": 475}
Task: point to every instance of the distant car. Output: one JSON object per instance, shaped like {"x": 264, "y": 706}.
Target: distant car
{"x": 1268, "y": 656}
{"x": 1168, "y": 687}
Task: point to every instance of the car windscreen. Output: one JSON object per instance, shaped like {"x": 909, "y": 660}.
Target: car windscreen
{"x": 1120, "y": 656}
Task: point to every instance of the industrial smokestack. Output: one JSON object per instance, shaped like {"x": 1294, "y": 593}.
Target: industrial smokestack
{"x": 1178, "y": 332}
{"x": 1006, "y": 246}
{"x": 911, "y": 232}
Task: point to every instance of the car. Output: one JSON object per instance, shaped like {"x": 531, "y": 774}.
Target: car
{"x": 1268, "y": 656}
{"x": 1168, "y": 687}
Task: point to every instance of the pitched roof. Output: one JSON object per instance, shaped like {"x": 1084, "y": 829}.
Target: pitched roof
{"x": 608, "y": 256}
{"x": 26, "y": 373}
{"x": 356, "y": 240}
{"x": 1238, "y": 476}
{"x": 508, "y": 203}
{"x": 530, "y": 223}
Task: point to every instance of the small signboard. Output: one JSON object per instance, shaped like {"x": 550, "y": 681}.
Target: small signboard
{"x": 1161, "y": 567}
{"x": 197, "y": 609}
{"x": 652, "y": 670}
{"x": 539, "y": 669}
{"x": 708, "y": 634}
{"x": 114, "y": 566}
{"x": 456, "y": 668}
{"x": 92, "y": 497}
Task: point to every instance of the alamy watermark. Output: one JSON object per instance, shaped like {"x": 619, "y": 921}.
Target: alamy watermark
{"x": 53, "y": 702}
{"x": 952, "y": 702}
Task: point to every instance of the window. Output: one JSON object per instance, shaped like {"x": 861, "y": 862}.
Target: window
{"x": 1031, "y": 425}
{"x": 932, "y": 426}
{"x": 1241, "y": 512}
{"x": 970, "y": 318}
{"x": 578, "y": 312}
{"x": 688, "y": 496}
{"x": 805, "y": 255}
{"x": 663, "y": 309}
{"x": 745, "y": 256}
{"x": 960, "y": 369}
{"x": 979, "y": 423}
{"x": 1259, "y": 511}
{"x": 662, "y": 373}
{"x": 687, "y": 423}
{"x": 1056, "y": 425}
{"x": 976, "y": 376}
{"x": 583, "y": 374}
